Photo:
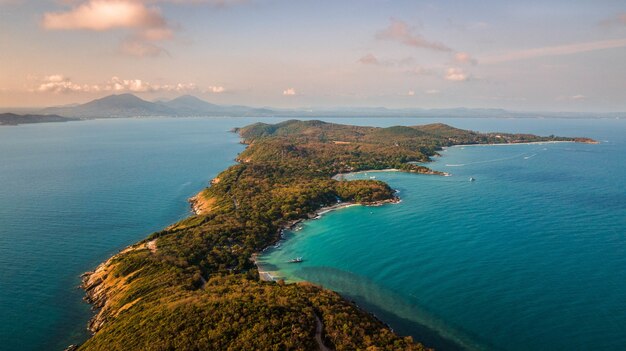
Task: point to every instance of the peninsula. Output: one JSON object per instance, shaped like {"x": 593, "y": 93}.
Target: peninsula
{"x": 194, "y": 285}
{"x": 12, "y": 119}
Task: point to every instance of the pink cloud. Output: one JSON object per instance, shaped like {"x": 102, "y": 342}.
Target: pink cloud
{"x": 369, "y": 59}
{"x": 140, "y": 48}
{"x": 464, "y": 58}
{"x": 102, "y": 15}
{"x": 401, "y": 32}
{"x": 558, "y": 50}
{"x": 456, "y": 75}
{"x": 147, "y": 24}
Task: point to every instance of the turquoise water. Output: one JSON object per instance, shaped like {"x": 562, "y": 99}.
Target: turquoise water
{"x": 532, "y": 255}
{"x": 484, "y": 262}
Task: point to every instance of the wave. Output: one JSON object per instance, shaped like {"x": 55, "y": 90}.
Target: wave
{"x": 531, "y": 156}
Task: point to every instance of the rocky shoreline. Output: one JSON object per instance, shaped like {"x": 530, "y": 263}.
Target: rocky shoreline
{"x": 98, "y": 286}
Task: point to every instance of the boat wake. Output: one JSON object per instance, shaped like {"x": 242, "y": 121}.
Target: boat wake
{"x": 531, "y": 156}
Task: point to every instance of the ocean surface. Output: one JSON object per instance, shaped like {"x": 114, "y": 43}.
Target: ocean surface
{"x": 530, "y": 255}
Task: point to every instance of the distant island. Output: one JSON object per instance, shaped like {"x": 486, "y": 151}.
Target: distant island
{"x": 195, "y": 286}
{"x": 12, "y": 119}
{"x": 129, "y": 105}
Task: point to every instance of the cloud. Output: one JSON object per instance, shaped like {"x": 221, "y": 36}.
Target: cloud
{"x": 577, "y": 97}
{"x": 216, "y": 3}
{"x": 100, "y": 15}
{"x": 400, "y": 31}
{"x": 464, "y": 58}
{"x": 214, "y": 90}
{"x": 559, "y": 50}
{"x": 456, "y": 75}
{"x": 289, "y": 92}
{"x": 619, "y": 20}
{"x": 147, "y": 24}
{"x": 369, "y": 59}
{"x": 60, "y": 84}
{"x": 140, "y": 48}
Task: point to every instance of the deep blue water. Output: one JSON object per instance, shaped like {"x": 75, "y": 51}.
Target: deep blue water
{"x": 72, "y": 194}
{"x": 532, "y": 253}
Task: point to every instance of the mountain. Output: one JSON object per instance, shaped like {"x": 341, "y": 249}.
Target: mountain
{"x": 13, "y": 119}
{"x": 124, "y": 105}
{"x": 188, "y": 104}
{"x": 128, "y": 105}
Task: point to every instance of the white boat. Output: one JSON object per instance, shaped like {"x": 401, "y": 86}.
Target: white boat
{"x": 295, "y": 260}
{"x": 472, "y": 179}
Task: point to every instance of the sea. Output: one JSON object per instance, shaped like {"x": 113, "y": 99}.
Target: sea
{"x": 529, "y": 255}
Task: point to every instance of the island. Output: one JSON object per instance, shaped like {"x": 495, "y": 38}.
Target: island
{"x": 12, "y": 119}
{"x": 195, "y": 286}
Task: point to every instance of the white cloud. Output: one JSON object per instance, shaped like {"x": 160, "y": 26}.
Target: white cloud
{"x": 60, "y": 84}
{"x": 215, "y": 89}
{"x": 401, "y": 32}
{"x": 289, "y": 92}
{"x": 456, "y": 74}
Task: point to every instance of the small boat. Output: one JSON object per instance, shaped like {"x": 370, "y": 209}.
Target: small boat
{"x": 295, "y": 260}
{"x": 472, "y": 179}
{"x": 372, "y": 177}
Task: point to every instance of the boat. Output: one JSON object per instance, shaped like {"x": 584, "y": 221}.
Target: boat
{"x": 295, "y": 260}
{"x": 472, "y": 179}
{"x": 372, "y": 177}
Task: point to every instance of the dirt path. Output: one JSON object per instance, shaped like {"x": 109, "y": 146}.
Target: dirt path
{"x": 318, "y": 334}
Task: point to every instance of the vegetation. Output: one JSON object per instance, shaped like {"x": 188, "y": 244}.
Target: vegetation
{"x": 193, "y": 285}
{"x": 11, "y": 119}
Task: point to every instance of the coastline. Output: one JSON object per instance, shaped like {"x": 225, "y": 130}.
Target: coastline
{"x": 291, "y": 225}
{"x": 431, "y": 335}
{"x": 250, "y": 233}
{"x": 582, "y": 141}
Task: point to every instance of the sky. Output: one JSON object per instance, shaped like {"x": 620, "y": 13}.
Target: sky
{"x": 561, "y": 55}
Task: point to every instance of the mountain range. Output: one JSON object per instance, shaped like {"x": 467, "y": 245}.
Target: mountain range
{"x": 129, "y": 105}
